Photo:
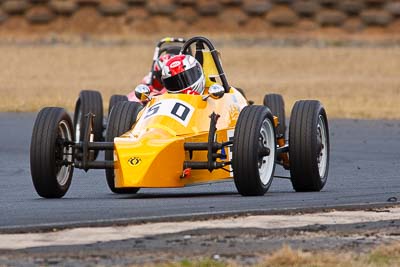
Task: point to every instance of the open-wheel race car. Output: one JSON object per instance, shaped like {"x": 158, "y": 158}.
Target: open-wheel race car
{"x": 177, "y": 140}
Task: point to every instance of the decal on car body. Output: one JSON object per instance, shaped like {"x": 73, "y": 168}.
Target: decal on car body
{"x": 178, "y": 110}
{"x": 134, "y": 161}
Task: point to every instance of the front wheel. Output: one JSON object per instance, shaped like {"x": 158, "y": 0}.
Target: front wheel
{"x": 121, "y": 119}
{"x": 308, "y": 146}
{"x": 51, "y": 153}
{"x": 254, "y": 151}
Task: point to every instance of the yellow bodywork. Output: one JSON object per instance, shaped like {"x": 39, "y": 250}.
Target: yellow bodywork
{"x": 152, "y": 153}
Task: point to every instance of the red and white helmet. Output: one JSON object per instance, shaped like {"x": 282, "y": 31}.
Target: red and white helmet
{"x": 183, "y": 74}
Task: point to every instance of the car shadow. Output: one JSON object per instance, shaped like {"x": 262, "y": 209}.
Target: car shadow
{"x": 177, "y": 195}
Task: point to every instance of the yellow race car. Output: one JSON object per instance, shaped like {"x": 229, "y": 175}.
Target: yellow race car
{"x": 178, "y": 140}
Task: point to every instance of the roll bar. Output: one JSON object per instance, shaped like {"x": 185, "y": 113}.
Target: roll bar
{"x": 214, "y": 54}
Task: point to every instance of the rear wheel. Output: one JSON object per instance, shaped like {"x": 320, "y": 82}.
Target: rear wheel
{"x": 50, "y": 153}
{"x": 277, "y": 106}
{"x": 114, "y": 99}
{"x": 253, "y": 166}
{"x": 308, "y": 146}
{"x": 121, "y": 119}
{"x": 89, "y": 101}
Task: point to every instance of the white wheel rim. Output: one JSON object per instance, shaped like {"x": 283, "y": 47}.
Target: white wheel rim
{"x": 64, "y": 171}
{"x": 266, "y": 164}
{"x": 322, "y": 157}
{"x": 78, "y": 126}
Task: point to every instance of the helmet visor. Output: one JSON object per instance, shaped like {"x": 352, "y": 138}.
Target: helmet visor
{"x": 183, "y": 80}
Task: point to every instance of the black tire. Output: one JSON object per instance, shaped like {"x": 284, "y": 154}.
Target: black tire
{"x": 50, "y": 179}
{"x": 277, "y": 106}
{"x": 247, "y": 144}
{"x": 89, "y": 101}
{"x": 121, "y": 119}
{"x": 114, "y": 99}
{"x": 308, "y": 150}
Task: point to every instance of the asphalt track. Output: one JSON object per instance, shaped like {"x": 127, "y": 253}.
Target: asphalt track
{"x": 364, "y": 170}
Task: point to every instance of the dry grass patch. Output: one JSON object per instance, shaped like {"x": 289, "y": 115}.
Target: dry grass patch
{"x": 383, "y": 256}
{"x": 351, "y": 82}
{"x": 288, "y": 257}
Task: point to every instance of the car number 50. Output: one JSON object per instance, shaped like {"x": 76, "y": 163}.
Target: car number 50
{"x": 177, "y": 110}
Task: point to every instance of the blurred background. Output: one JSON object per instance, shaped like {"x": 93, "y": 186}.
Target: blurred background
{"x": 344, "y": 53}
